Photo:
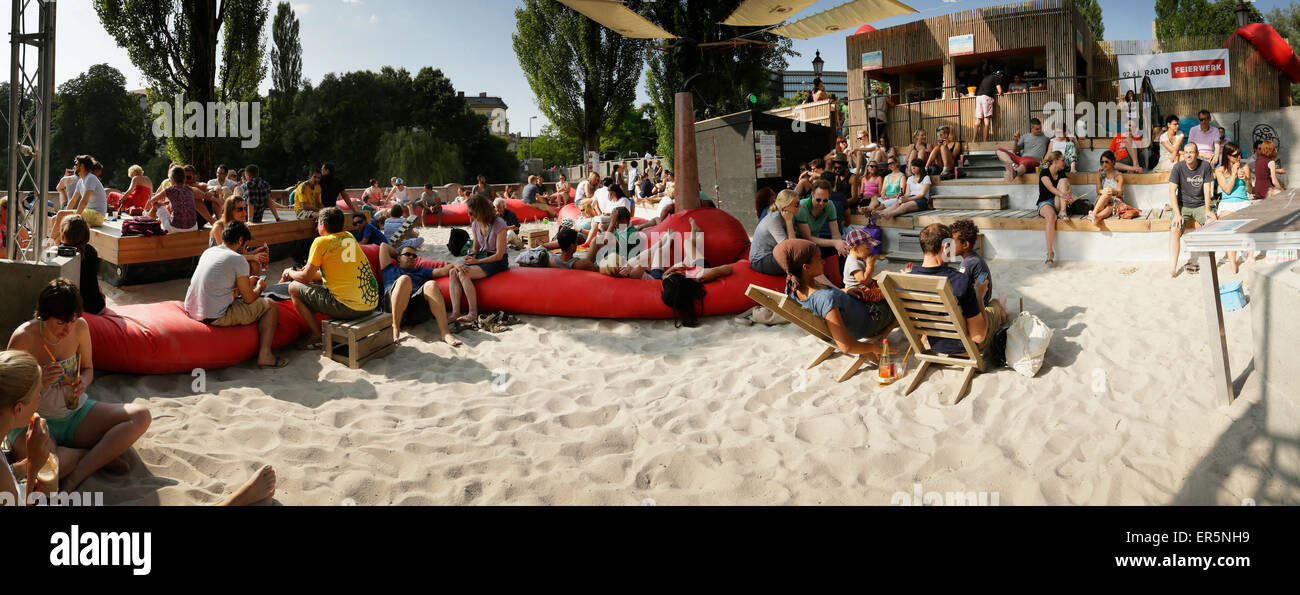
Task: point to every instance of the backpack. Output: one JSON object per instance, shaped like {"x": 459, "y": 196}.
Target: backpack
{"x": 458, "y": 244}
{"x": 143, "y": 226}
{"x": 537, "y": 256}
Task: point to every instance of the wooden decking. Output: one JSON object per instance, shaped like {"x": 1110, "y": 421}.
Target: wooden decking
{"x": 1080, "y": 179}
{"x": 119, "y": 250}
{"x": 1022, "y": 219}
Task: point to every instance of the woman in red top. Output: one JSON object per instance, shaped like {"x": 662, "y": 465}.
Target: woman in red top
{"x": 1267, "y": 171}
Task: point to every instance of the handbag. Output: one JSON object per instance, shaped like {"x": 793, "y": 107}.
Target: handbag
{"x": 877, "y": 234}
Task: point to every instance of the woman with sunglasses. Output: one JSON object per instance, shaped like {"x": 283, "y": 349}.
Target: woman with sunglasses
{"x": 234, "y": 209}
{"x": 1110, "y": 189}
{"x": 892, "y": 186}
{"x": 1233, "y": 178}
{"x": 917, "y": 190}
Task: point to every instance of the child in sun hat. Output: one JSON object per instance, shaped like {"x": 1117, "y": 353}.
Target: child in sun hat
{"x": 860, "y": 265}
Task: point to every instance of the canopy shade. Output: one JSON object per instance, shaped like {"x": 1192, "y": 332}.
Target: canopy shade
{"x": 765, "y": 13}
{"x": 835, "y": 19}
{"x": 619, "y": 18}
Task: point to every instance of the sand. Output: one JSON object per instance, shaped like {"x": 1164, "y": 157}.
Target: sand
{"x": 579, "y": 411}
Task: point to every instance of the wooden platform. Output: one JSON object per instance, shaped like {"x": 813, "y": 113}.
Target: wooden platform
{"x": 119, "y": 250}
{"x": 1021, "y": 219}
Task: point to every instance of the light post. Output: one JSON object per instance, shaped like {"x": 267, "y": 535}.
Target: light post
{"x": 817, "y": 64}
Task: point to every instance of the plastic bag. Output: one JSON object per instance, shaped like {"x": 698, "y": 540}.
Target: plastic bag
{"x": 537, "y": 256}
{"x": 1027, "y": 341}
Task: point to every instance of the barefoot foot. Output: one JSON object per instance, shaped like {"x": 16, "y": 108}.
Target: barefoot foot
{"x": 451, "y": 339}
{"x": 257, "y": 491}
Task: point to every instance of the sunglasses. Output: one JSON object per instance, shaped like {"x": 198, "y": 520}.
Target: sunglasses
{"x": 1204, "y": 119}
{"x": 821, "y": 202}
{"x": 410, "y": 254}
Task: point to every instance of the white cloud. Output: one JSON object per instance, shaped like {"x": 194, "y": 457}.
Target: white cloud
{"x": 302, "y": 8}
{"x": 374, "y": 19}
{"x": 352, "y": 1}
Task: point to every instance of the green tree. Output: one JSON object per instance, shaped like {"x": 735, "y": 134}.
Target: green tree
{"x": 94, "y": 115}
{"x": 1091, "y": 12}
{"x": 175, "y": 45}
{"x": 286, "y": 51}
{"x": 730, "y": 74}
{"x": 584, "y": 75}
{"x": 552, "y": 147}
{"x": 420, "y": 157}
{"x": 636, "y": 132}
{"x": 1192, "y": 18}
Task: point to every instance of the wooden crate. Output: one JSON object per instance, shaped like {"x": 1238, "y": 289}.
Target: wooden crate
{"x": 359, "y": 340}
{"x": 536, "y": 237}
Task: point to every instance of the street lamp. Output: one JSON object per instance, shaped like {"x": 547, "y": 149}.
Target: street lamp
{"x": 530, "y": 137}
{"x": 817, "y": 64}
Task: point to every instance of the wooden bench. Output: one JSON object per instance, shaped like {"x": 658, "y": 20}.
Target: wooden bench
{"x": 359, "y": 340}
{"x": 1021, "y": 219}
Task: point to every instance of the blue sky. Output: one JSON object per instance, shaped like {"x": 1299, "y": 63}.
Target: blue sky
{"x": 469, "y": 40}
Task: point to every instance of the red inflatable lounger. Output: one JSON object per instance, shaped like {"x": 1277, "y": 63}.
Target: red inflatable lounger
{"x": 163, "y": 339}
{"x": 458, "y": 214}
{"x": 1272, "y": 48}
{"x": 585, "y": 294}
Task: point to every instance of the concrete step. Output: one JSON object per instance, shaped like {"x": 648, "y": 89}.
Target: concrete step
{"x": 908, "y": 247}
{"x": 992, "y": 202}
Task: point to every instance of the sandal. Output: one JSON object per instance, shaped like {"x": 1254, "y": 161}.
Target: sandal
{"x": 1051, "y": 258}
{"x": 280, "y": 362}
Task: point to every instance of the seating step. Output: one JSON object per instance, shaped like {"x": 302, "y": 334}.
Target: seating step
{"x": 991, "y": 202}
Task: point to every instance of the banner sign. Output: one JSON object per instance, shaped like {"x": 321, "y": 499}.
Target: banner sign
{"x": 961, "y": 45}
{"x": 873, "y": 61}
{"x": 1176, "y": 71}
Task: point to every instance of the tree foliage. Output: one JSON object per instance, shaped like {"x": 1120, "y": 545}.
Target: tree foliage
{"x": 175, "y": 46}
{"x": 1091, "y": 11}
{"x": 730, "y": 74}
{"x": 552, "y": 147}
{"x": 94, "y": 115}
{"x": 584, "y": 75}
{"x": 286, "y": 51}
{"x": 1193, "y": 18}
{"x": 353, "y": 118}
{"x": 635, "y": 132}
{"x": 1287, "y": 23}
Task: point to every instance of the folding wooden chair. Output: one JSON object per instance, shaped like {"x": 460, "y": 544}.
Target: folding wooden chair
{"x": 788, "y": 308}
{"x": 925, "y": 305}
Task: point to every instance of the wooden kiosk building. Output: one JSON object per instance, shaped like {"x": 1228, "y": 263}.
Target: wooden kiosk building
{"x": 932, "y": 67}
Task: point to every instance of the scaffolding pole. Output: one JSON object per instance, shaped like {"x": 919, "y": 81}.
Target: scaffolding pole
{"x": 30, "y": 81}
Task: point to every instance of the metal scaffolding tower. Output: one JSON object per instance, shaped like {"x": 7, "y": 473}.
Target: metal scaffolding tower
{"x": 31, "y": 99}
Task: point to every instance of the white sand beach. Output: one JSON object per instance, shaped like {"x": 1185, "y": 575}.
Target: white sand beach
{"x": 577, "y": 411}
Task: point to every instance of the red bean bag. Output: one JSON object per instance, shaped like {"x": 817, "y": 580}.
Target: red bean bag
{"x": 1272, "y": 48}
{"x": 585, "y": 294}
{"x": 372, "y": 254}
{"x": 458, "y": 214}
{"x": 725, "y": 239}
{"x": 163, "y": 339}
{"x": 570, "y": 211}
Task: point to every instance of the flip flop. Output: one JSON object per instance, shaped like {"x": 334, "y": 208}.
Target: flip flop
{"x": 313, "y": 346}
{"x": 280, "y": 362}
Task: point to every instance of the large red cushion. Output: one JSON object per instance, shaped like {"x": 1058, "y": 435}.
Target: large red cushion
{"x": 163, "y": 339}
{"x": 1272, "y": 48}
{"x": 372, "y": 254}
{"x": 725, "y": 239}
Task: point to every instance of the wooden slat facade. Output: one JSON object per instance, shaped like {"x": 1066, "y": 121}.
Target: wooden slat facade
{"x": 1054, "y": 29}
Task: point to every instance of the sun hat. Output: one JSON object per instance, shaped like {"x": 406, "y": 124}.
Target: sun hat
{"x": 400, "y": 182}
{"x": 859, "y": 236}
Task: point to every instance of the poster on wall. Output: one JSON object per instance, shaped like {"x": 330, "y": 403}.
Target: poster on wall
{"x": 766, "y": 157}
{"x": 872, "y": 61}
{"x": 961, "y": 45}
{"x": 1176, "y": 71}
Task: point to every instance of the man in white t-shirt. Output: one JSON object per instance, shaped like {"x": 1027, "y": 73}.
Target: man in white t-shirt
{"x": 223, "y": 184}
{"x": 222, "y": 293}
{"x": 601, "y": 196}
{"x": 1206, "y": 137}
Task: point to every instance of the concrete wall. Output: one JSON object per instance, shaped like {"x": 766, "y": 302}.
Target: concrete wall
{"x": 1025, "y": 196}
{"x": 24, "y": 282}
{"x": 1070, "y": 245}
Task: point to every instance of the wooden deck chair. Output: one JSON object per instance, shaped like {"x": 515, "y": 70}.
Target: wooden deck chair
{"x": 788, "y": 308}
{"x": 403, "y": 232}
{"x": 925, "y": 305}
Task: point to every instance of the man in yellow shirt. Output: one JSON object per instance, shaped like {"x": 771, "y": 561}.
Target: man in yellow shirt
{"x": 350, "y": 290}
{"x": 306, "y": 198}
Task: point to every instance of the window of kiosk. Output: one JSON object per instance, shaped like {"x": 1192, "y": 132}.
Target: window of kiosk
{"x": 921, "y": 84}
{"x": 1025, "y": 69}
